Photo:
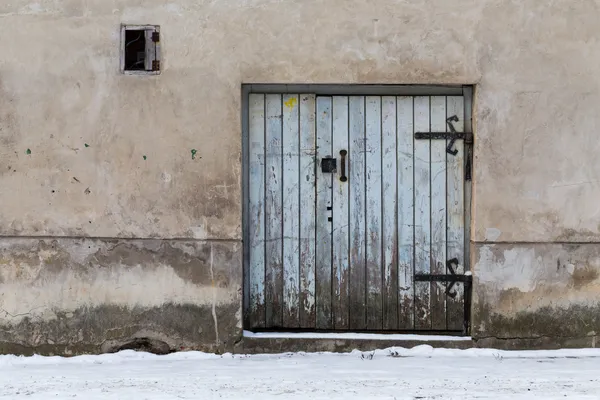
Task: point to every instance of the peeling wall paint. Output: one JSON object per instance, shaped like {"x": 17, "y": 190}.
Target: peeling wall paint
{"x": 49, "y": 283}
{"x": 536, "y": 290}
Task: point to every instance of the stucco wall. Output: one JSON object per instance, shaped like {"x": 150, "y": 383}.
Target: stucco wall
{"x": 88, "y": 129}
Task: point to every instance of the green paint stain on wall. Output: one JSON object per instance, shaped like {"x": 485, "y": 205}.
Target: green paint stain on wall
{"x": 28, "y": 152}
{"x": 194, "y": 152}
{"x": 144, "y": 157}
{"x": 86, "y": 145}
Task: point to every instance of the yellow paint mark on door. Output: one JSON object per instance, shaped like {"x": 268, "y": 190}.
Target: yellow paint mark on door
{"x": 291, "y": 103}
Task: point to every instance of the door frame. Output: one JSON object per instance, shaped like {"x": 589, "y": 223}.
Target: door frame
{"x": 351, "y": 90}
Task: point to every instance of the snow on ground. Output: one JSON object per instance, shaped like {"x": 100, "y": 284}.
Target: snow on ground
{"x": 418, "y": 373}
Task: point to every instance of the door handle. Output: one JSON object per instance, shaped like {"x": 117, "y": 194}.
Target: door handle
{"x": 343, "y": 154}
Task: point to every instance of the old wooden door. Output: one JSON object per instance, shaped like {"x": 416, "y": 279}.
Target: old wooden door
{"x": 353, "y": 220}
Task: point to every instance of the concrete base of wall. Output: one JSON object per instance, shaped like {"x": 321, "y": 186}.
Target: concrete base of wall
{"x": 277, "y": 346}
{"x": 273, "y": 346}
{"x": 530, "y": 291}
{"x": 80, "y": 296}
{"x": 75, "y": 296}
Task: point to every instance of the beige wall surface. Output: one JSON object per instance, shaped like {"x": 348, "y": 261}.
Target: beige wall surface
{"x": 535, "y": 64}
{"x": 88, "y": 128}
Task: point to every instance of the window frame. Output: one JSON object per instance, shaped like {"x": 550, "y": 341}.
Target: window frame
{"x": 152, "y": 49}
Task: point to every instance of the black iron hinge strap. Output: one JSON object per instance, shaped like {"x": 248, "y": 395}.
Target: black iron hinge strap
{"x": 452, "y": 135}
{"x": 452, "y": 278}
{"x": 466, "y": 136}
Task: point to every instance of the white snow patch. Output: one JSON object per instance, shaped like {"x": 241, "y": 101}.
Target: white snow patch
{"x": 395, "y": 373}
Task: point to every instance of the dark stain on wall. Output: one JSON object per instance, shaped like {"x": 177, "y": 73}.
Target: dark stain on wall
{"x": 8, "y": 121}
{"x": 576, "y": 320}
{"x": 583, "y": 275}
{"x": 191, "y": 261}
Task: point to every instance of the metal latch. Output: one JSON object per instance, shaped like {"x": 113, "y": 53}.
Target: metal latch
{"x": 329, "y": 165}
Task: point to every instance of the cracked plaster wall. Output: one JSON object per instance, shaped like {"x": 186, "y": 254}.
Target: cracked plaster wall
{"x": 110, "y": 155}
{"x": 95, "y": 293}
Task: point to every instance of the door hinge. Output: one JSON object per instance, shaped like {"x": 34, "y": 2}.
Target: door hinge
{"x": 156, "y": 37}
{"x": 468, "y": 166}
{"x": 466, "y": 136}
{"x": 452, "y": 278}
{"x": 449, "y": 264}
{"x": 452, "y": 135}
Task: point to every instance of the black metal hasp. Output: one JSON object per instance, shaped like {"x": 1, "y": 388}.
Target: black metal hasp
{"x": 452, "y": 277}
{"x": 452, "y": 135}
{"x": 329, "y": 165}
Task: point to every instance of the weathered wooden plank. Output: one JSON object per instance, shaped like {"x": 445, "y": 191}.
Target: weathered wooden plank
{"x": 469, "y": 161}
{"x": 273, "y": 213}
{"x": 291, "y": 211}
{"x": 456, "y": 215}
{"x": 357, "y": 185}
{"x": 324, "y": 184}
{"x": 307, "y": 210}
{"x": 468, "y": 187}
{"x": 422, "y": 189}
{"x": 389, "y": 235}
{"x": 438, "y": 213}
{"x": 356, "y": 181}
{"x": 256, "y": 218}
{"x": 340, "y": 231}
{"x": 373, "y": 213}
{"x": 406, "y": 225}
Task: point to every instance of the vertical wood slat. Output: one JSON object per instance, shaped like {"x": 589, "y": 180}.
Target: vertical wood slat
{"x": 438, "y": 213}
{"x": 468, "y": 188}
{"x": 291, "y": 211}
{"x": 422, "y": 197}
{"x": 456, "y": 214}
{"x": 374, "y": 263}
{"x": 340, "y": 232}
{"x": 307, "y": 210}
{"x": 356, "y": 181}
{"x": 406, "y": 210}
{"x": 273, "y": 213}
{"x": 256, "y": 193}
{"x": 324, "y": 208}
{"x": 389, "y": 174}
